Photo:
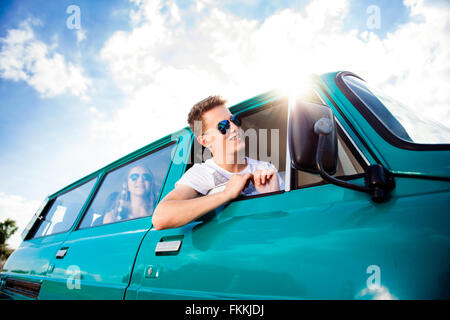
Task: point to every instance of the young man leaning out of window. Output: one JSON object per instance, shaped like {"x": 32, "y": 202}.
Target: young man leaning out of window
{"x": 219, "y": 131}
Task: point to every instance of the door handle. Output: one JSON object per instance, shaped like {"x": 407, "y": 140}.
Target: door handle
{"x": 61, "y": 253}
{"x": 167, "y": 247}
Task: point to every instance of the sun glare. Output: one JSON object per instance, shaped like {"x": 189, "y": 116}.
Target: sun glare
{"x": 295, "y": 86}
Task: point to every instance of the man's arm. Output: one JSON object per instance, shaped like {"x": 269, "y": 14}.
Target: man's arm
{"x": 183, "y": 205}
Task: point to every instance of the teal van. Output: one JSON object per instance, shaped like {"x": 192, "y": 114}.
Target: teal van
{"x": 363, "y": 213}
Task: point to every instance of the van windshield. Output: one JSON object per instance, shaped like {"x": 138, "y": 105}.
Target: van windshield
{"x": 405, "y": 122}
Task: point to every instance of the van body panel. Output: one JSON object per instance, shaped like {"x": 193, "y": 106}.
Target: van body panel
{"x": 313, "y": 243}
{"x": 33, "y": 257}
{"x": 98, "y": 262}
{"x": 32, "y": 260}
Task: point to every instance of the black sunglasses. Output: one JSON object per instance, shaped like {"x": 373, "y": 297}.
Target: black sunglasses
{"x": 224, "y": 125}
{"x": 135, "y": 176}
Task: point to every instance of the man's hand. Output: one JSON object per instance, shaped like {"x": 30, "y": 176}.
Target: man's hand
{"x": 236, "y": 184}
{"x": 265, "y": 181}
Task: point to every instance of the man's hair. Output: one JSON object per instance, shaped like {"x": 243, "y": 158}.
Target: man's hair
{"x": 197, "y": 111}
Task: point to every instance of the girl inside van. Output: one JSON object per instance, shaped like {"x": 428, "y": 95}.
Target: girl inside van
{"x": 135, "y": 200}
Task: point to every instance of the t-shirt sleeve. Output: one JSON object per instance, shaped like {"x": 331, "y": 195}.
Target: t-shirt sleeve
{"x": 198, "y": 178}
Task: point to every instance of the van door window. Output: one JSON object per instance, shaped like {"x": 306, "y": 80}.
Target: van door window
{"x": 62, "y": 211}
{"x": 131, "y": 191}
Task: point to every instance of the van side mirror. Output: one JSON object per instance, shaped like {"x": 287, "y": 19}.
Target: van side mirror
{"x": 303, "y": 140}
{"x": 313, "y": 147}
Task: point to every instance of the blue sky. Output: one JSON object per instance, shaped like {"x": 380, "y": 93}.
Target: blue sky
{"x": 72, "y": 101}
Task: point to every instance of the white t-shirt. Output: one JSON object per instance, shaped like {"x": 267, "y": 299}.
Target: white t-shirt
{"x": 208, "y": 175}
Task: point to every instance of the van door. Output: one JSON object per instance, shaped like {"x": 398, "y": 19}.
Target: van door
{"x": 281, "y": 246}
{"x": 28, "y": 266}
{"x": 97, "y": 258}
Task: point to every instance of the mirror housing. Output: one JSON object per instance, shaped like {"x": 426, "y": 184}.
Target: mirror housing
{"x": 303, "y": 141}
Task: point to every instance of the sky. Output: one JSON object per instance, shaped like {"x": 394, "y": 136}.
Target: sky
{"x": 83, "y": 83}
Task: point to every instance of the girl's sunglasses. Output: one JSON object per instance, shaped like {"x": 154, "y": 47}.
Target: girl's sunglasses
{"x": 224, "y": 125}
{"x": 145, "y": 176}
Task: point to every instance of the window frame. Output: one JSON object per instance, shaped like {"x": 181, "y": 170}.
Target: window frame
{"x": 34, "y": 219}
{"x": 376, "y": 124}
{"x": 118, "y": 166}
{"x": 50, "y": 201}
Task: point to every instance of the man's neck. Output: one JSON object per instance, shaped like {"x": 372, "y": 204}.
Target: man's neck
{"x": 234, "y": 166}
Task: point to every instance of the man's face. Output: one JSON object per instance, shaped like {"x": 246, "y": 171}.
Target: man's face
{"x": 221, "y": 144}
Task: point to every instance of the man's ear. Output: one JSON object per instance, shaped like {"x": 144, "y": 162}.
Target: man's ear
{"x": 202, "y": 141}
{"x": 205, "y": 142}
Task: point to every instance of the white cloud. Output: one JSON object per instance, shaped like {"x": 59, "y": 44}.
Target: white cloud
{"x": 18, "y": 209}
{"x": 24, "y": 58}
{"x": 81, "y": 35}
{"x": 165, "y": 65}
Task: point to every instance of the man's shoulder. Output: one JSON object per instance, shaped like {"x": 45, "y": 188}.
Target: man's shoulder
{"x": 199, "y": 172}
{"x": 200, "y": 168}
{"x": 199, "y": 177}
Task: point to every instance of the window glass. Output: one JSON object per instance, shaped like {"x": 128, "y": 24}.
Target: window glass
{"x": 31, "y": 223}
{"x": 406, "y": 123}
{"x": 131, "y": 191}
{"x": 64, "y": 210}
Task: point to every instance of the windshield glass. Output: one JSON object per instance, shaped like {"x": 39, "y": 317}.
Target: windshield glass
{"x": 404, "y": 122}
